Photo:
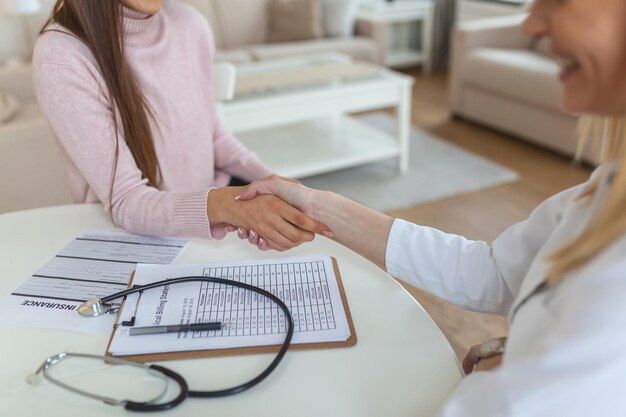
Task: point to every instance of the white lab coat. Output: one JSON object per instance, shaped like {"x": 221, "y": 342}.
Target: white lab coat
{"x": 566, "y": 353}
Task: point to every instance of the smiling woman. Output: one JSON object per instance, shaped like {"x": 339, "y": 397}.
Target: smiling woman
{"x": 560, "y": 275}
{"x": 588, "y": 39}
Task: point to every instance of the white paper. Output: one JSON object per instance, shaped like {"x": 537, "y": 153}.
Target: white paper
{"x": 98, "y": 262}
{"x": 307, "y": 285}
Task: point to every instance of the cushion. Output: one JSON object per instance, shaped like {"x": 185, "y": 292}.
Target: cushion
{"x": 339, "y": 17}
{"x": 29, "y": 113}
{"x": 234, "y": 56}
{"x": 32, "y": 173}
{"x": 17, "y": 80}
{"x": 294, "y": 20}
{"x": 364, "y": 49}
{"x": 9, "y": 105}
{"x": 241, "y": 22}
{"x": 207, "y": 10}
{"x": 519, "y": 74}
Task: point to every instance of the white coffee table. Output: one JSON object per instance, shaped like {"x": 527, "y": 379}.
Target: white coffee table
{"x": 306, "y": 131}
{"x": 402, "y": 365}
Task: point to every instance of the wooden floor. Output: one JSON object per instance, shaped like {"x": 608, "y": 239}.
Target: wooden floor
{"x": 485, "y": 214}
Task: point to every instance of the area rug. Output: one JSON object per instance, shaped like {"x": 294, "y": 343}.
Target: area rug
{"x": 437, "y": 170}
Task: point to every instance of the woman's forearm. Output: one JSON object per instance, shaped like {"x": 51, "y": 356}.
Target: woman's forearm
{"x": 358, "y": 227}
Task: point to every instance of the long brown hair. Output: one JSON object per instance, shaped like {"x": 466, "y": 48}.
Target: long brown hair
{"x": 98, "y": 24}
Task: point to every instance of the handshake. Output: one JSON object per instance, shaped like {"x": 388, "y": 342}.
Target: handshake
{"x": 272, "y": 213}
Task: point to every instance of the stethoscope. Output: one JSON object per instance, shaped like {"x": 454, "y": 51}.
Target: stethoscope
{"x": 99, "y": 306}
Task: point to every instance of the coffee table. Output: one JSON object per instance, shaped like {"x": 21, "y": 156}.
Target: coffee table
{"x": 305, "y": 129}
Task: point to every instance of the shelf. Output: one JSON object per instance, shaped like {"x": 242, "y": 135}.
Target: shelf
{"x": 478, "y": 9}
{"x": 404, "y": 58}
{"x": 394, "y": 11}
{"x": 315, "y": 147}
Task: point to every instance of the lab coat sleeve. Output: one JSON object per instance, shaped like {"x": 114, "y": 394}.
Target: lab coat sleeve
{"x": 471, "y": 274}
{"x": 575, "y": 368}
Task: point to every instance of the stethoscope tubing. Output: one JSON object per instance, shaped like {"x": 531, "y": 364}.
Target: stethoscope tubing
{"x": 184, "y": 389}
{"x": 148, "y": 407}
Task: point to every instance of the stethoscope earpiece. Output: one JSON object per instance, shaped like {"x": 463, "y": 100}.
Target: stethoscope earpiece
{"x": 152, "y": 405}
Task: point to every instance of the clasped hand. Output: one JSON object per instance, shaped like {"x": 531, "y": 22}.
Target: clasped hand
{"x": 267, "y": 221}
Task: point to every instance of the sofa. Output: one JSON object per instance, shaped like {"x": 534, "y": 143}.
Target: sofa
{"x": 239, "y": 26}
{"x": 501, "y": 79}
{"x": 243, "y": 37}
{"x": 31, "y": 171}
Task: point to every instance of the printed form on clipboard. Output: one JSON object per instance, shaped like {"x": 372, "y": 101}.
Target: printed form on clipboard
{"x": 310, "y": 286}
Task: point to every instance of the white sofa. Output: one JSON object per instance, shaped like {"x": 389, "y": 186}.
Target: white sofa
{"x": 31, "y": 171}
{"x": 240, "y": 28}
{"x": 501, "y": 79}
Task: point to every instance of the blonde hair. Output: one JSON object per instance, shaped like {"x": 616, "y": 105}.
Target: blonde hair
{"x": 609, "y": 222}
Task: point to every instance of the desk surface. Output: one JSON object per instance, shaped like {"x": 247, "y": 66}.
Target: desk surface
{"x": 402, "y": 364}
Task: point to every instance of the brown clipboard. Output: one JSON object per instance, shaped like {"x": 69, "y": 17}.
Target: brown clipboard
{"x": 194, "y": 354}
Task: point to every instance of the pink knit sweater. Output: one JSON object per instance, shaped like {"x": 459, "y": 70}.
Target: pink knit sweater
{"x": 171, "y": 54}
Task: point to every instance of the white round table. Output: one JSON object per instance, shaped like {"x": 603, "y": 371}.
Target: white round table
{"x": 402, "y": 364}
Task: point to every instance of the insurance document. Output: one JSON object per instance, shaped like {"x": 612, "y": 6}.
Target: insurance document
{"x": 307, "y": 285}
{"x": 96, "y": 263}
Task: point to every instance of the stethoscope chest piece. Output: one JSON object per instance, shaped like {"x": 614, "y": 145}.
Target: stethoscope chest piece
{"x": 94, "y": 308}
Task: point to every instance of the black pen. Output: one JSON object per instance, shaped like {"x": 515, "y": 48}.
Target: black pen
{"x": 175, "y": 328}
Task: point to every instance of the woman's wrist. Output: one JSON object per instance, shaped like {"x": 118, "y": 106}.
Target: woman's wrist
{"x": 219, "y": 205}
{"x": 317, "y": 204}
{"x": 358, "y": 227}
{"x": 329, "y": 208}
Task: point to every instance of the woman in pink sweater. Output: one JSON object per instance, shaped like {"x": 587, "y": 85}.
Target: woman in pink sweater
{"x": 126, "y": 87}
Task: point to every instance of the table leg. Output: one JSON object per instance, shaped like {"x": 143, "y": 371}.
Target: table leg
{"x": 427, "y": 34}
{"x": 403, "y": 119}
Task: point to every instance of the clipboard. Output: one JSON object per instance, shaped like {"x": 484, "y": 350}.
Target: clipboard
{"x": 206, "y": 353}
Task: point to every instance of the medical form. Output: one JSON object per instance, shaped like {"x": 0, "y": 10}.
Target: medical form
{"x": 307, "y": 285}
{"x": 95, "y": 263}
